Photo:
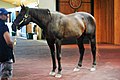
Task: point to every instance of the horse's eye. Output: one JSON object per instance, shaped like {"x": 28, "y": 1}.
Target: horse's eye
{"x": 26, "y": 16}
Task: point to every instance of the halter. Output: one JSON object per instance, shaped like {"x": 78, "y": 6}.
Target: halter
{"x": 25, "y": 16}
{"x": 24, "y": 19}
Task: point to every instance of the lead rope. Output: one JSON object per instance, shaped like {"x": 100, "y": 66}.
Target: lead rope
{"x": 15, "y": 39}
{"x": 14, "y": 44}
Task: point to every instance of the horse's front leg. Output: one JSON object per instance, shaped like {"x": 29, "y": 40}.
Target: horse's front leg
{"x": 58, "y": 51}
{"x": 52, "y": 49}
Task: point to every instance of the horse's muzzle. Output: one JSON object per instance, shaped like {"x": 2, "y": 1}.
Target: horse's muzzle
{"x": 14, "y": 27}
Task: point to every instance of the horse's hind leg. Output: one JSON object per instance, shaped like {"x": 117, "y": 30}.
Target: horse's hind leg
{"x": 93, "y": 49}
{"x": 58, "y": 51}
{"x": 52, "y": 49}
{"x": 81, "y": 50}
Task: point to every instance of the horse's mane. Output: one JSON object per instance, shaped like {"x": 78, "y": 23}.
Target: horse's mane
{"x": 39, "y": 12}
{"x": 42, "y": 16}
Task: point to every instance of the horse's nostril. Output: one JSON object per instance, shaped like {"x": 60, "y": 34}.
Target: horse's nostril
{"x": 18, "y": 28}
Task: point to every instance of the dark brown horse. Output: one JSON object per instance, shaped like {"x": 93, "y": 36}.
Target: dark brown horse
{"x": 57, "y": 26}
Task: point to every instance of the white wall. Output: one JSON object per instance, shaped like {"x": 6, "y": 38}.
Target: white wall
{"x": 49, "y": 4}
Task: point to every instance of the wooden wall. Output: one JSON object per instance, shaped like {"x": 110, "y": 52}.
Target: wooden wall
{"x": 117, "y": 22}
{"x": 107, "y": 17}
{"x": 66, "y": 9}
{"x": 104, "y": 14}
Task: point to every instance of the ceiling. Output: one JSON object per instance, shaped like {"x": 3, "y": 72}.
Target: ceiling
{"x": 19, "y": 2}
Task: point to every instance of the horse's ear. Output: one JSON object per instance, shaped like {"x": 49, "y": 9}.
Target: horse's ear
{"x": 22, "y": 6}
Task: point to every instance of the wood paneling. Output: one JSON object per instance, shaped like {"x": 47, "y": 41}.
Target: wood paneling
{"x": 107, "y": 14}
{"x": 104, "y": 14}
{"x": 86, "y": 7}
{"x": 117, "y": 21}
{"x": 66, "y": 9}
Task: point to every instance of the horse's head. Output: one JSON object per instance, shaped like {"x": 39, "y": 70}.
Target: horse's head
{"x": 22, "y": 19}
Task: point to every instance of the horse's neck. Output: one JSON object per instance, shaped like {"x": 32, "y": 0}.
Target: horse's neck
{"x": 39, "y": 19}
{"x": 36, "y": 21}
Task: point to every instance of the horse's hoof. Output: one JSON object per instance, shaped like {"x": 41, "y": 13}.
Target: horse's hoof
{"x": 93, "y": 68}
{"x": 52, "y": 73}
{"x": 58, "y": 75}
{"x": 77, "y": 69}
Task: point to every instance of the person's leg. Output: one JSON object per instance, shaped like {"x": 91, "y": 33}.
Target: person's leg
{"x": 6, "y": 70}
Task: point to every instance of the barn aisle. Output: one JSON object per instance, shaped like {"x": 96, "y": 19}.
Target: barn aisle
{"x": 33, "y": 62}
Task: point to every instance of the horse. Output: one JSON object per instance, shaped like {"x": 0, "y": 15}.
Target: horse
{"x": 57, "y": 26}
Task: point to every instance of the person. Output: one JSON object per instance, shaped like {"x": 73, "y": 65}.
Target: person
{"x": 6, "y": 48}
